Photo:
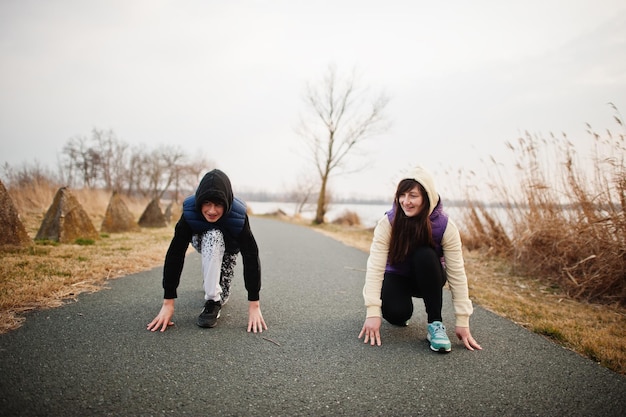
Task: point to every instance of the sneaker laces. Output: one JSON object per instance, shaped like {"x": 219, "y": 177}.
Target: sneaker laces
{"x": 439, "y": 331}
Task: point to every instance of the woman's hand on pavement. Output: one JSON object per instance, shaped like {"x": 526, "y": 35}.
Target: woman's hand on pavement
{"x": 464, "y": 335}
{"x": 371, "y": 331}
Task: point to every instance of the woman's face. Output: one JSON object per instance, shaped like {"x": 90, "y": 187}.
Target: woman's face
{"x": 411, "y": 201}
{"x": 212, "y": 212}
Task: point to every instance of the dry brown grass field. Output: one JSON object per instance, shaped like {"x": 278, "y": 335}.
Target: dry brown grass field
{"x": 46, "y": 275}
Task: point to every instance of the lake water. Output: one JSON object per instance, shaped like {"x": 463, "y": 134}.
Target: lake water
{"x": 369, "y": 214}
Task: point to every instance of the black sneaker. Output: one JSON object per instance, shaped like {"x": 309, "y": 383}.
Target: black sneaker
{"x": 210, "y": 314}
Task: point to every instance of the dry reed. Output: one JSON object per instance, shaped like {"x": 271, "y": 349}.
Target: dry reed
{"x": 565, "y": 220}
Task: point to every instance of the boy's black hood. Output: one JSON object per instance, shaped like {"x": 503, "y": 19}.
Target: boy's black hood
{"x": 215, "y": 187}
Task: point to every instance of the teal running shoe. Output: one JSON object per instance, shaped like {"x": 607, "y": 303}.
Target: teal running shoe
{"x": 438, "y": 338}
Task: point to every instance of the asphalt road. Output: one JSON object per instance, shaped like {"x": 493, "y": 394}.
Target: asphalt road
{"x": 94, "y": 357}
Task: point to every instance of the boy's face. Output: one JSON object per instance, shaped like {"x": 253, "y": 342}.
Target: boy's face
{"x": 211, "y": 211}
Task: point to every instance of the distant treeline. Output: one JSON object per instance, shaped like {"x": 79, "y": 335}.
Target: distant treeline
{"x": 103, "y": 161}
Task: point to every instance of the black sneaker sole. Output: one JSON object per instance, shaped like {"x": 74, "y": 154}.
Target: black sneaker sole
{"x": 440, "y": 350}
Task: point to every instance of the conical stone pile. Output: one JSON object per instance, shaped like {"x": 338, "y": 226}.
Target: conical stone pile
{"x": 12, "y": 231}
{"x": 66, "y": 220}
{"x": 153, "y": 215}
{"x": 118, "y": 218}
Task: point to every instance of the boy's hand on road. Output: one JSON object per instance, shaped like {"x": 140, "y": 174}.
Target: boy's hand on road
{"x": 255, "y": 318}
{"x": 164, "y": 318}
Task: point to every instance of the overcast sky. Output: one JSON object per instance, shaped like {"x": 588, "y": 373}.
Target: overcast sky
{"x": 227, "y": 78}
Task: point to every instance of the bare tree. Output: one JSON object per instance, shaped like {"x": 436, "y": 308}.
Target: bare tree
{"x": 192, "y": 172}
{"x": 105, "y": 161}
{"x": 135, "y": 174}
{"x": 303, "y": 191}
{"x": 28, "y": 174}
{"x": 176, "y": 162}
{"x": 112, "y": 153}
{"x": 342, "y": 115}
{"x": 82, "y": 161}
{"x": 161, "y": 168}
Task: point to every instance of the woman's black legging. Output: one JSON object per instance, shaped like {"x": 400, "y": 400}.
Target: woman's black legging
{"x": 426, "y": 281}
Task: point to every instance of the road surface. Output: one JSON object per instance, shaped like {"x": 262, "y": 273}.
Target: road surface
{"x": 94, "y": 357}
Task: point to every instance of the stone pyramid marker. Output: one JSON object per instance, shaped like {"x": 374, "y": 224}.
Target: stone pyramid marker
{"x": 66, "y": 220}
{"x": 12, "y": 231}
{"x": 173, "y": 212}
{"x": 168, "y": 213}
{"x": 118, "y": 218}
{"x": 152, "y": 215}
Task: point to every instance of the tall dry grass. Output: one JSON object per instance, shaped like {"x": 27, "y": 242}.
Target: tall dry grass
{"x": 565, "y": 218}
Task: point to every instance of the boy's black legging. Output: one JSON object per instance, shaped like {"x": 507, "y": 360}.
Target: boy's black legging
{"x": 426, "y": 281}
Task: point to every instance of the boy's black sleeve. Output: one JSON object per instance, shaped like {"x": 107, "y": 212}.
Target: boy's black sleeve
{"x": 175, "y": 258}
{"x": 251, "y": 262}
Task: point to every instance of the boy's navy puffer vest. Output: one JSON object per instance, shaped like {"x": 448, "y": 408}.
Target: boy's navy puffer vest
{"x": 231, "y": 223}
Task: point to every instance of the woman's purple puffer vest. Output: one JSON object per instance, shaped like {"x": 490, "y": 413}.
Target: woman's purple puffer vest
{"x": 438, "y": 221}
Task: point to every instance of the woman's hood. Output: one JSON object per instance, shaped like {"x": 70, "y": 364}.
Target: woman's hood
{"x": 215, "y": 186}
{"x": 424, "y": 177}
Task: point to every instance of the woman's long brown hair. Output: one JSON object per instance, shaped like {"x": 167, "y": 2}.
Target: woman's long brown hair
{"x": 409, "y": 233}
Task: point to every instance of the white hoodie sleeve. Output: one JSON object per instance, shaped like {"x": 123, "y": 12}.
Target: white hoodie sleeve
{"x": 455, "y": 270}
{"x": 376, "y": 263}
